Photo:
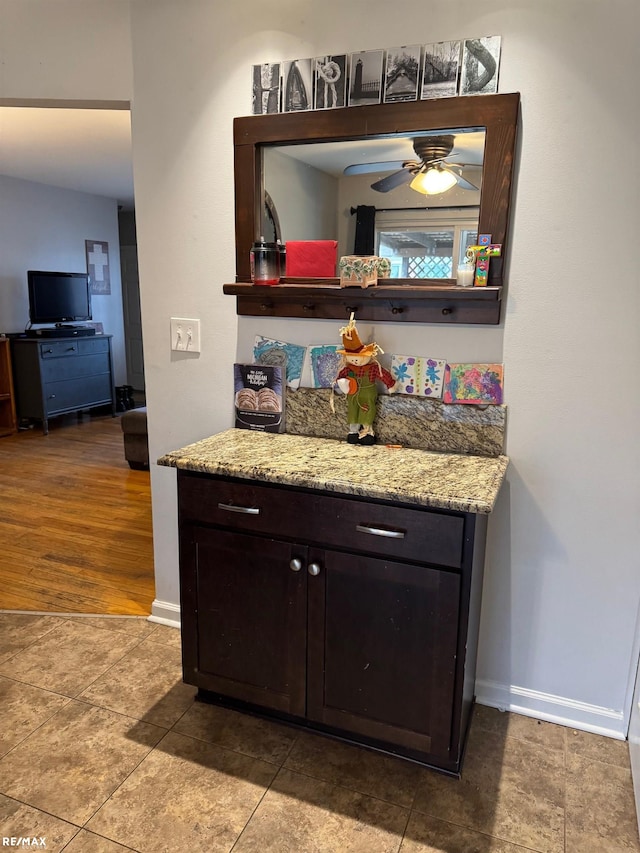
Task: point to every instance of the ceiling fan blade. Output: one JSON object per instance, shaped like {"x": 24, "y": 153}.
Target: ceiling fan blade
{"x": 462, "y": 182}
{"x": 396, "y": 179}
{"x": 366, "y": 168}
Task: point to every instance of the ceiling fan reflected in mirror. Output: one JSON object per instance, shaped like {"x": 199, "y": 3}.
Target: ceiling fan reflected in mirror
{"x": 430, "y": 174}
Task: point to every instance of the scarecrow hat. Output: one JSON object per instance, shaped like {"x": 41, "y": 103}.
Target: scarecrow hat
{"x": 351, "y": 343}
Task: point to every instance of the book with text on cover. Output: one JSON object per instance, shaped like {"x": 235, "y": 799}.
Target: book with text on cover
{"x": 259, "y": 397}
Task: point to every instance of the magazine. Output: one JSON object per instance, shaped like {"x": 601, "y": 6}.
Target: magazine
{"x": 259, "y": 397}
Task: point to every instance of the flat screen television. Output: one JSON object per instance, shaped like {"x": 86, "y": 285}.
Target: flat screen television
{"x": 58, "y": 297}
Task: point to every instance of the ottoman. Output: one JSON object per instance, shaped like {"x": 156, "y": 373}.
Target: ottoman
{"x": 136, "y": 445}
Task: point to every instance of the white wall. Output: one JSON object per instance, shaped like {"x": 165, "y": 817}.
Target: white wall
{"x": 562, "y": 583}
{"x": 78, "y": 49}
{"x": 291, "y": 184}
{"x": 45, "y": 228}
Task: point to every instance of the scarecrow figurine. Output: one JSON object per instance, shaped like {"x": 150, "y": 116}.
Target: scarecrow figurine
{"x": 357, "y": 379}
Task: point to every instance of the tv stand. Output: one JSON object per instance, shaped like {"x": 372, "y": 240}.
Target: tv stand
{"x": 68, "y": 374}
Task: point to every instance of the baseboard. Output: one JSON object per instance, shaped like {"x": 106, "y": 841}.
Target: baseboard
{"x": 552, "y": 709}
{"x": 506, "y": 697}
{"x": 165, "y": 613}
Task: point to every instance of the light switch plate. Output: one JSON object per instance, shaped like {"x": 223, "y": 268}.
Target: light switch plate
{"x": 185, "y": 334}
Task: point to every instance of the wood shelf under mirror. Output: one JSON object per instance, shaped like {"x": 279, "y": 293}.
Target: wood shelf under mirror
{"x": 324, "y": 299}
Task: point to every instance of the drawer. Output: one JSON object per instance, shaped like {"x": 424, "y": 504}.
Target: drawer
{"x": 326, "y": 521}
{"x": 94, "y": 344}
{"x": 58, "y": 349}
{"x": 77, "y": 346}
{"x": 60, "y": 369}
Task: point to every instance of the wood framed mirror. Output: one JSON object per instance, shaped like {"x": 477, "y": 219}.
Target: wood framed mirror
{"x": 495, "y": 116}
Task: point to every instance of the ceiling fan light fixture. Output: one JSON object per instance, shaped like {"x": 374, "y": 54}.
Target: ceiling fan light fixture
{"x": 433, "y": 181}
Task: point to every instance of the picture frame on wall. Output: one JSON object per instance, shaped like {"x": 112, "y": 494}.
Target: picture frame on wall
{"x": 330, "y": 82}
{"x": 265, "y": 89}
{"x": 441, "y": 69}
{"x": 297, "y": 85}
{"x": 97, "y": 252}
{"x": 480, "y": 66}
{"x": 365, "y": 77}
{"x": 402, "y": 73}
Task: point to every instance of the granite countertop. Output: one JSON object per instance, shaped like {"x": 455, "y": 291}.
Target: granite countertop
{"x": 444, "y": 480}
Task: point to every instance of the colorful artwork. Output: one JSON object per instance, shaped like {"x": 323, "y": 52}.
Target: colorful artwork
{"x": 268, "y": 351}
{"x": 473, "y": 383}
{"x": 421, "y": 377}
{"x": 325, "y": 365}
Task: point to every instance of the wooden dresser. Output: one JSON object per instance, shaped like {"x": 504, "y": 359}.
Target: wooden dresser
{"x": 7, "y": 400}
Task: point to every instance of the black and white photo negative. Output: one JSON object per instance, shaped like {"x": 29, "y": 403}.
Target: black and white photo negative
{"x": 441, "y": 68}
{"x": 365, "y": 77}
{"x": 297, "y": 85}
{"x": 480, "y": 63}
{"x": 265, "y": 89}
{"x": 402, "y": 73}
{"x": 330, "y": 82}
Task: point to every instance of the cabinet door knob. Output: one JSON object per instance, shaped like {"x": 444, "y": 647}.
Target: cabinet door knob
{"x": 295, "y": 565}
{"x": 314, "y": 569}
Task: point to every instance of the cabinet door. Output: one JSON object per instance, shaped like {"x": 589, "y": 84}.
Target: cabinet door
{"x": 244, "y": 617}
{"x": 382, "y": 650}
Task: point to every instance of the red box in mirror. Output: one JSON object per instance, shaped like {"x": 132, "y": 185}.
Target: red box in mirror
{"x": 311, "y": 258}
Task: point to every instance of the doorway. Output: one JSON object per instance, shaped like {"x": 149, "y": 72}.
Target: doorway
{"x": 131, "y": 302}
{"x": 89, "y": 524}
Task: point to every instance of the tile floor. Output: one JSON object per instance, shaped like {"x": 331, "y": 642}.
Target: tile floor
{"x": 103, "y": 749}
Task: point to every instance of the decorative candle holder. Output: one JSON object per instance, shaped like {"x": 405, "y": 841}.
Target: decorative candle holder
{"x": 465, "y": 275}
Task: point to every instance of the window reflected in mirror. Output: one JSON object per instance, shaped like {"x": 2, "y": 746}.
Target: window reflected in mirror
{"x": 432, "y": 248}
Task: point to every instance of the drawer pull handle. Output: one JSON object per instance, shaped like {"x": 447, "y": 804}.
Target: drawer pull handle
{"x": 295, "y": 565}
{"x": 249, "y": 510}
{"x": 314, "y": 569}
{"x": 379, "y": 531}
{"x": 71, "y": 349}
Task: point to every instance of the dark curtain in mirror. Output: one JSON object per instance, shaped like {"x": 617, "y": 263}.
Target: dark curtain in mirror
{"x": 364, "y": 243}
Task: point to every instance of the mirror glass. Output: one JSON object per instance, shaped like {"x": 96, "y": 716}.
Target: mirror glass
{"x": 317, "y": 191}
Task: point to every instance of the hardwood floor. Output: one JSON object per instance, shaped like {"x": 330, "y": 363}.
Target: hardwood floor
{"x": 75, "y": 521}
